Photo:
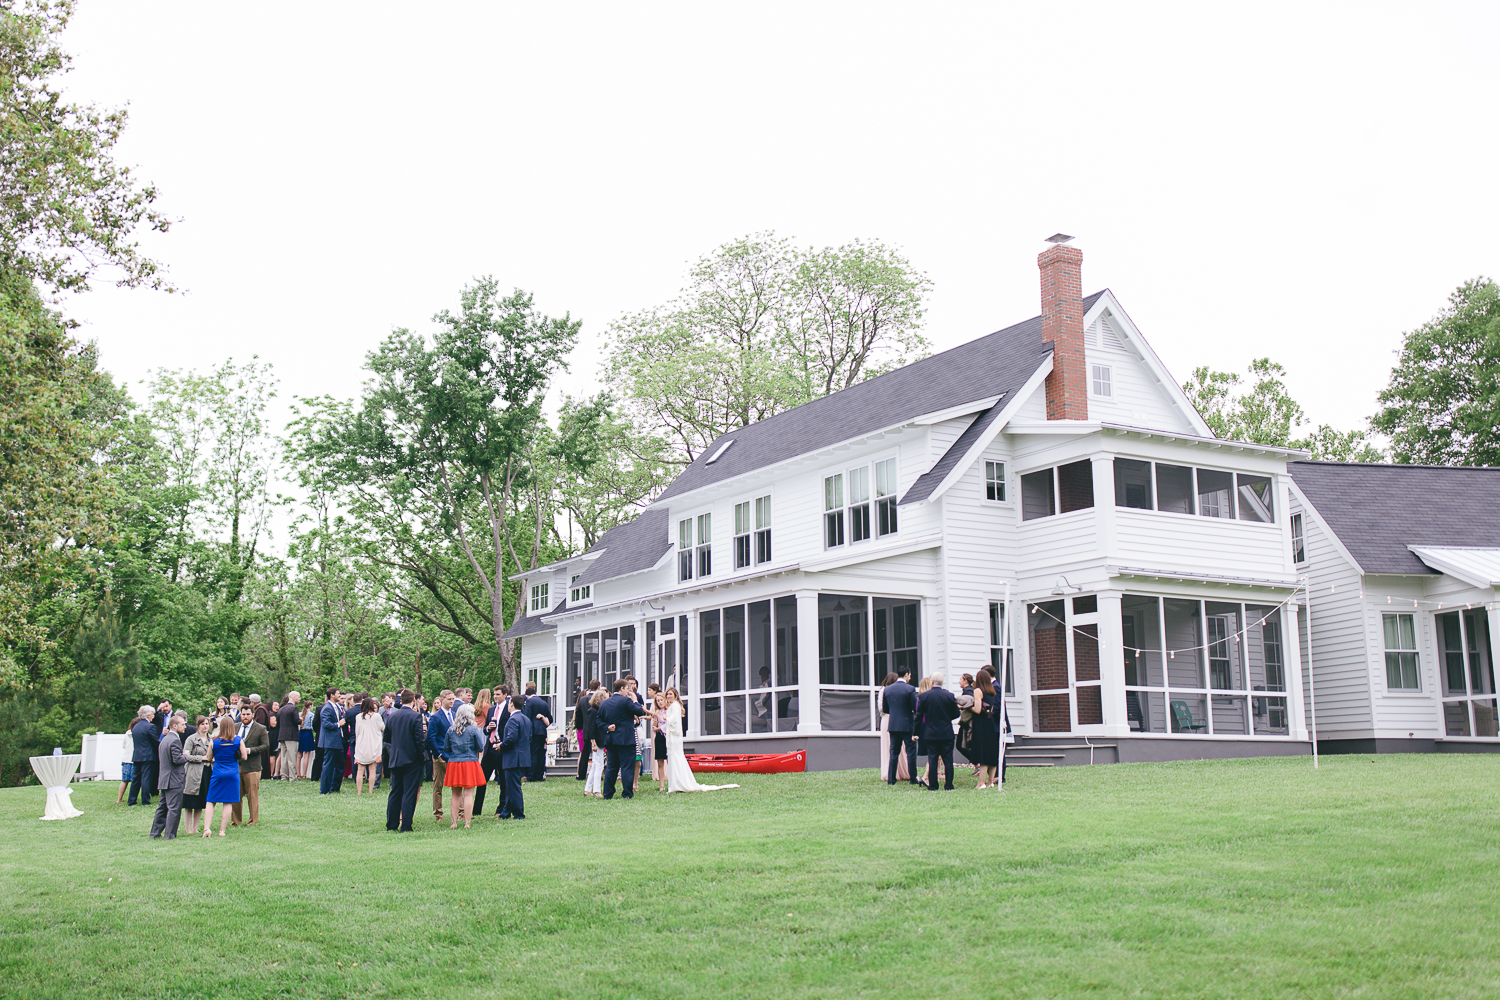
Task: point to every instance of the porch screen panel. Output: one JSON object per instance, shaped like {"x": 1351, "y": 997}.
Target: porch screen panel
{"x": 843, "y": 656}
{"x": 1049, "y": 667}
{"x": 1174, "y": 489}
{"x": 590, "y": 655}
{"x": 1133, "y": 484}
{"x": 708, "y": 623}
{"x": 1037, "y": 495}
{"x": 1216, "y": 493}
{"x": 1256, "y": 502}
{"x": 1086, "y": 674}
{"x": 846, "y": 710}
{"x": 1185, "y": 656}
{"x": 575, "y": 663}
{"x": 1075, "y": 486}
{"x": 1225, "y": 649}
{"x": 897, "y": 641}
{"x": 1266, "y": 666}
{"x": 627, "y": 651}
{"x": 610, "y": 645}
{"x": 759, "y": 645}
{"x": 1140, "y": 628}
{"x": 787, "y": 701}
{"x": 734, "y": 648}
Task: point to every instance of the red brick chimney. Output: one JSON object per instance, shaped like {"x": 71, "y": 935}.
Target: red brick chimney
{"x": 1062, "y": 323}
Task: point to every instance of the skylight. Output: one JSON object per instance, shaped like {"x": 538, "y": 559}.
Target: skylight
{"x": 719, "y": 452}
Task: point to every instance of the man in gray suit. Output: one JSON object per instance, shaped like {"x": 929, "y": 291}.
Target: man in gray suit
{"x": 171, "y": 767}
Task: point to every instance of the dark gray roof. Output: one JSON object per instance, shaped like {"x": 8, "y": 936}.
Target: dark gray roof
{"x": 1378, "y": 510}
{"x": 532, "y": 624}
{"x": 629, "y": 548}
{"x": 929, "y": 480}
{"x": 994, "y": 365}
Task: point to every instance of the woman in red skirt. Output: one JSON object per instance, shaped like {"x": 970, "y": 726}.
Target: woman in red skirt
{"x": 465, "y": 745}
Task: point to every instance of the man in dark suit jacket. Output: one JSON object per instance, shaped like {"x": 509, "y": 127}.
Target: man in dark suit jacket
{"x": 256, "y": 740}
{"x": 331, "y": 744}
{"x": 438, "y": 724}
{"x": 936, "y": 710}
{"x": 515, "y": 759}
{"x": 403, "y": 755}
{"x": 172, "y": 767}
{"x": 899, "y": 701}
{"x": 617, "y": 715}
{"x": 539, "y": 711}
{"x": 144, "y": 736}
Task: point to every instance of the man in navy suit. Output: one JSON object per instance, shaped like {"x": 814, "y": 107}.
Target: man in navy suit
{"x": 899, "y": 701}
{"x": 331, "y": 742}
{"x": 438, "y": 724}
{"x": 403, "y": 756}
{"x": 515, "y": 759}
{"x": 617, "y": 715}
{"x": 936, "y": 710}
{"x": 144, "y": 736}
{"x": 539, "y": 711}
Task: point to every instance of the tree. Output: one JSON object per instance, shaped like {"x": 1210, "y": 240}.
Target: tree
{"x": 760, "y": 328}
{"x": 1267, "y": 414}
{"x": 67, "y": 210}
{"x": 609, "y": 470}
{"x": 436, "y": 456}
{"x": 1442, "y": 404}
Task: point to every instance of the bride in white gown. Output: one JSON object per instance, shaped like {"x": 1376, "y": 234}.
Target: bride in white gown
{"x": 679, "y": 775}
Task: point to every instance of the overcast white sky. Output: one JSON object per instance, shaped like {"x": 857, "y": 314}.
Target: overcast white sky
{"x": 1304, "y": 181}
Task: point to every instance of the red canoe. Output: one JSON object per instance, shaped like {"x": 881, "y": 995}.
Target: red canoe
{"x": 750, "y": 763}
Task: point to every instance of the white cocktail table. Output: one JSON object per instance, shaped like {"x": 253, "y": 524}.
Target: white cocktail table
{"x": 55, "y": 773}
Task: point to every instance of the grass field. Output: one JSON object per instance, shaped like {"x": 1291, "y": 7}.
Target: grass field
{"x": 1369, "y": 878}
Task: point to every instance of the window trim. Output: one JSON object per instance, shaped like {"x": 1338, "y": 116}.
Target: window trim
{"x": 1235, "y": 499}
{"x": 1004, "y": 482}
{"x": 700, "y": 552}
{"x": 577, "y": 595}
{"x": 1414, "y": 651}
{"x": 1108, "y": 380}
{"x": 845, "y": 516}
{"x": 539, "y": 598}
{"x": 756, "y": 538}
{"x": 1299, "y": 538}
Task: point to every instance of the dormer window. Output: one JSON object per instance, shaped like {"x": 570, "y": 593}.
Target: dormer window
{"x": 578, "y": 594}
{"x": 539, "y": 597}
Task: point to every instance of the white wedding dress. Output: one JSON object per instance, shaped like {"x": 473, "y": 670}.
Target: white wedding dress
{"x": 679, "y": 775}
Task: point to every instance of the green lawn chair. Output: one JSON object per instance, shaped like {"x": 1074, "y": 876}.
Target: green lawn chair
{"x": 1182, "y": 718}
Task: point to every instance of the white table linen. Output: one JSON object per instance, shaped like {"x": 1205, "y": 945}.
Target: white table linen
{"x": 55, "y": 773}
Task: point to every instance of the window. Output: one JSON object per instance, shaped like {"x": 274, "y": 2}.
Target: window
{"x": 1400, "y": 653}
{"x": 846, "y": 504}
{"x": 742, "y": 535}
{"x": 1468, "y": 674}
{"x": 994, "y": 481}
{"x": 833, "y": 511}
{"x": 762, "y": 530}
{"x": 578, "y": 594}
{"x": 749, "y": 668}
{"x": 1061, "y": 490}
{"x": 1182, "y": 489}
{"x": 685, "y": 549}
{"x": 885, "y": 497}
{"x": 1102, "y": 381}
{"x": 1299, "y": 545}
{"x": 1198, "y": 668}
{"x": 1001, "y": 653}
{"x": 539, "y": 597}
{"x": 859, "y": 504}
{"x": 705, "y": 551}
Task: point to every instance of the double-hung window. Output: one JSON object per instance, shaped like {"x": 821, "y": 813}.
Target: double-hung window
{"x": 705, "y": 550}
{"x": 1299, "y": 543}
{"x": 578, "y": 594}
{"x": 539, "y": 597}
{"x": 742, "y": 535}
{"x": 1401, "y": 653}
{"x": 885, "y": 497}
{"x": 833, "y": 510}
{"x": 762, "y": 529}
{"x": 685, "y": 549}
{"x": 994, "y": 481}
{"x": 846, "y": 504}
{"x": 859, "y": 503}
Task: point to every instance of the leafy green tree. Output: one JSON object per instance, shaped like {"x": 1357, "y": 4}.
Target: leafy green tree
{"x": 609, "y": 469}
{"x": 760, "y": 328}
{"x": 1263, "y": 412}
{"x": 1442, "y": 405}
{"x": 436, "y": 457}
{"x": 107, "y": 662}
{"x": 67, "y": 209}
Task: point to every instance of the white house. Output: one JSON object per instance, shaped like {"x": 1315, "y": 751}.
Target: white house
{"x": 1043, "y": 499}
{"x": 1404, "y": 564}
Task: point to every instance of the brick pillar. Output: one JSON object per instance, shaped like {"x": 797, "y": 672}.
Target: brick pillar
{"x": 1062, "y": 324}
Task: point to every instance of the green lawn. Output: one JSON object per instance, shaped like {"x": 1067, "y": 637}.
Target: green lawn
{"x": 1256, "y": 878}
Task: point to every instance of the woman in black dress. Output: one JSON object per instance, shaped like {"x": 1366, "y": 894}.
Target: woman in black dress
{"x": 985, "y": 732}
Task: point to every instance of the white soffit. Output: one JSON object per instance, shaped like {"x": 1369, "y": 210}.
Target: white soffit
{"x": 1476, "y": 567}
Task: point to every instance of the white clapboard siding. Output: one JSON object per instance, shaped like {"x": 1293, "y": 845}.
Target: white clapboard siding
{"x": 1341, "y": 661}
{"x": 1209, "y": 545}
{"x": 1057, "y": 543}
{"x": 1402, "y": 714}
{"x": 1137, "y": 398}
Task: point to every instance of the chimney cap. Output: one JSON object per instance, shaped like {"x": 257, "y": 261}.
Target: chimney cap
{"x": 1060, "y": 238}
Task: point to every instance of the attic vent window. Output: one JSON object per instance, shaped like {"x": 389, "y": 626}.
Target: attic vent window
{"x": 719, "y": 452}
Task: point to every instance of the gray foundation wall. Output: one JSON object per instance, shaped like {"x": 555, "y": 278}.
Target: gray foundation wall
{"x": 1404, "y": 746}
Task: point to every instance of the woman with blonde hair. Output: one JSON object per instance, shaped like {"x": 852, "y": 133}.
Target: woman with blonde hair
{"x": 659, "y": 740}
{"x": 463, "y": 775}
{"x": 368, "y": 727}
{"x": 679, "y": 774}
{"x": 595, "y": 783}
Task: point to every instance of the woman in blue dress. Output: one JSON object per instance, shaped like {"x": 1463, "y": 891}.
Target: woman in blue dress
{"x": 224, "y": 786}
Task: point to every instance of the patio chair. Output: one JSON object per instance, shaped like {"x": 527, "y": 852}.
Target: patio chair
{"x": 1182, "y": 718}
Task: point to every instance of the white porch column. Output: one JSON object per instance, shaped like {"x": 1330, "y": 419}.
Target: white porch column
{"x": 1291, "y": 645}
{"x": 1103, "y": 469}
{"x": 809, "y": 715}
{"x": 1112, "y": 664}
{"x": 559, "y": 676}
{"x": 641, "y": 655}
